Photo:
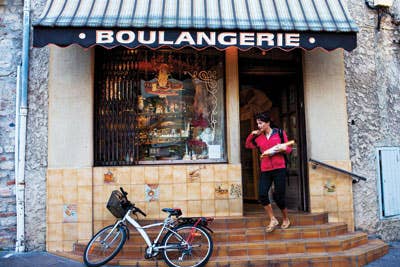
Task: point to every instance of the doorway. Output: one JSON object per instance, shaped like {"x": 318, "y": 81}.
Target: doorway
{"x": 272, "y": 81}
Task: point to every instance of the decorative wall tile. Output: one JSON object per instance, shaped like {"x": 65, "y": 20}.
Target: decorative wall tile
{"x": 329, "y": 186}
{"x": 194, "y": 173}
{"x": 109, "y": 177}
{"x": 235, "y": 191}
{"x": 221, "y": 190}
{"x": 70, "y": 213}
{"x": 152, "y": 192}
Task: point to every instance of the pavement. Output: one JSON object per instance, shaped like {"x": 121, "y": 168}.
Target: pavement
{"x": 45, "y": 259}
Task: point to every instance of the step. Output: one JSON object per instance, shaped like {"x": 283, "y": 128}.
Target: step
{"x": 358, "y": 256}
{"x": 259, "y": 234}
{"x": 328, "y": 244}
{"x": 259, "y": 220}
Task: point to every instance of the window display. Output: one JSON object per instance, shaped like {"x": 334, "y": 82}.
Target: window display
{"x": 177, "y": 106}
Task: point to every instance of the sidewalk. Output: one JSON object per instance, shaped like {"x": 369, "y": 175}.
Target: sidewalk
{"x": 44, "y": 259}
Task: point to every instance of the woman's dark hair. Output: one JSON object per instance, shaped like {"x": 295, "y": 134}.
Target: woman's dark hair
{"x": 264, "y": 116}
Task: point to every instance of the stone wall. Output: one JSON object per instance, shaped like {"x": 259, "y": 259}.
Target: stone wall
{"x": 36, "y": 155}
{"x": 11, "y": 19}
{"x": 373, "y": 103}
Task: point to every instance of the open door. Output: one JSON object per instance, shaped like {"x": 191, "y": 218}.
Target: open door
{"x": 273, "y": 82}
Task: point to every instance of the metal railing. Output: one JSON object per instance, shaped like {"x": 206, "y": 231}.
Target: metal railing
{"x": 356, "y": 177}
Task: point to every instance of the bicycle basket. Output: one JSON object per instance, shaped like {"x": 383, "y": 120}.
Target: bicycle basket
{"x": 114, "y": 204}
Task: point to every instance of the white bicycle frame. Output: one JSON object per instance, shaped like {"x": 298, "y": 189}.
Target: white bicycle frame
{"x": 143, "y": 233}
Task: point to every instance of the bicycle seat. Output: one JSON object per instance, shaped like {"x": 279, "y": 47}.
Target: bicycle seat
{"x": 173, "y": 211}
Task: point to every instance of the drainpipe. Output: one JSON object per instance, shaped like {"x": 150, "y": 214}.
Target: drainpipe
{"x": 22, "y": 112}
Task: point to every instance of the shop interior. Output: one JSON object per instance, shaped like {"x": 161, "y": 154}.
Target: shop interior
{"x": 271, "y": 81}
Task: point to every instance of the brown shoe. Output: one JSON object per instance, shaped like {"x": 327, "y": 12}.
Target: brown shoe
{"x": 272, "y": 225}
{"x": 285, "y": 224}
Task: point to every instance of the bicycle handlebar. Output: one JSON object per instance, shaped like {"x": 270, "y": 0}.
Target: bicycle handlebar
{"x": 123, "y": 192}
{"x": 140, "y": 211}
{"x": 136, "y": 209}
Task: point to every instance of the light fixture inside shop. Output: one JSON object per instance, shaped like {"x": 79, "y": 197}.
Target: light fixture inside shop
{"x": 381, "y": 6}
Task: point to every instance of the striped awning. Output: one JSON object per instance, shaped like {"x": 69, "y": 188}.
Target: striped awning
{"x": 266, "y": 24}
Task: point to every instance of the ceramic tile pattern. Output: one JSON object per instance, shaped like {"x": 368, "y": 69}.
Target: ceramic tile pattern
{"x": 190, "y": 187}
{"x": 332, "y": 192}
{"x": 207, "y": 190}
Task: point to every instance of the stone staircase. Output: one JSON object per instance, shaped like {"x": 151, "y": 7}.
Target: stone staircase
{"x": 242, "y": 241}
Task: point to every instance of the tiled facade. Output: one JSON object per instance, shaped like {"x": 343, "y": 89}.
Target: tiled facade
{"x": 332, "y": 192}
{"x": 199, "y": 190}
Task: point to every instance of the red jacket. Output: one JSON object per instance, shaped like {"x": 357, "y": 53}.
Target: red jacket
{"x": 276, "y": 161}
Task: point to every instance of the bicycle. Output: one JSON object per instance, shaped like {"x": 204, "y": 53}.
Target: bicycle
{"x": 186, "y": 240}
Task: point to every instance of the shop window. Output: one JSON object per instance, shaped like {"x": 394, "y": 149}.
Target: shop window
{"x": 159, "y": 106}
{"x": 388, "y": 182}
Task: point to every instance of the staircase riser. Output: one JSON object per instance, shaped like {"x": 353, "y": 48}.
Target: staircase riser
{"x": 136, "y": 252}
{"x": 260, "y": 221}
{"x": 322, "y": 261}
{"x": 243, "y": 242}
{"x": 260, "y": 234}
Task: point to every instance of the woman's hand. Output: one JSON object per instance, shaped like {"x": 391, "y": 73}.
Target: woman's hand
{"x": 256, "y": 132}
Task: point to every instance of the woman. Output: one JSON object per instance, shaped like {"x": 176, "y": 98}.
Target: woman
{"x": 273, "y": 167}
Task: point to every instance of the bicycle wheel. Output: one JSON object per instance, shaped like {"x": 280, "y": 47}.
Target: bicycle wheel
{"x": 189, "y": 247}
{"x": 104, "y": 246}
